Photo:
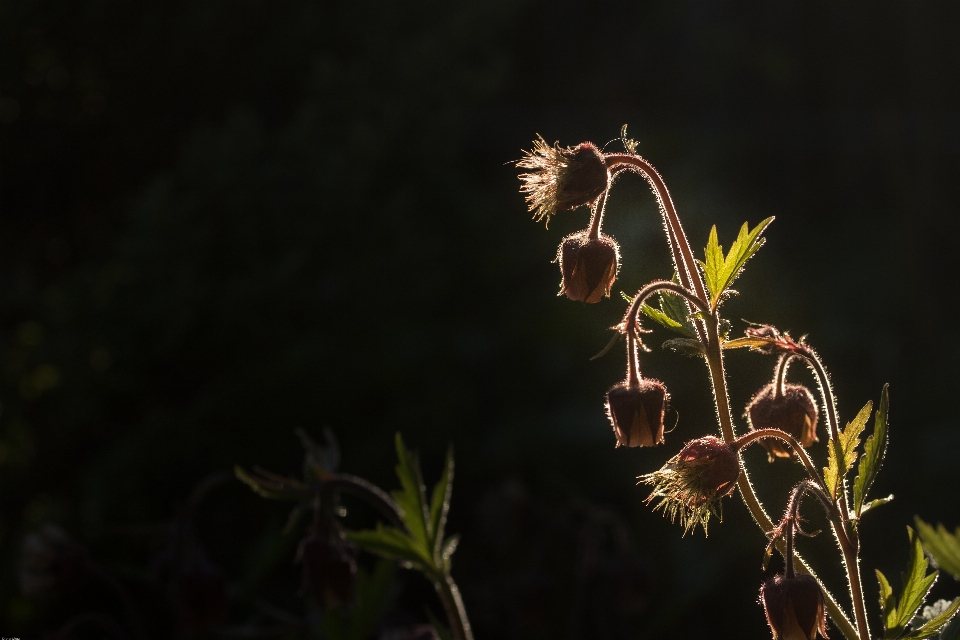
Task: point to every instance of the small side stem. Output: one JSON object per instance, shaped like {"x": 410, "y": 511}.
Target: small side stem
{"x": 597, "y": 218}
{"x": 759, "y": 434}
{"x": 453, "y": 605}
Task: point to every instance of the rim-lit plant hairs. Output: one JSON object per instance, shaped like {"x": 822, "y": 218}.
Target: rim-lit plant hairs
{"x": 781, "y": 416}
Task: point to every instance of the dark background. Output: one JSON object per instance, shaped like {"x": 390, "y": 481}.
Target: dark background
{"x": 223, "y": 220}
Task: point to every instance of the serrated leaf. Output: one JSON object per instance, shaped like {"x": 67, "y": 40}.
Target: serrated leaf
{"x": 662, "y": 318}
{"x": 685, "y": 346}
{"x": 916, "y": 585}
{"x": 952, "y": 630}
{"x": 720, "y": 271}
{"x": 392, "y": 544}
{"x": 933, "y": 626}
{"x": 412, "y": 495}
{"x": 943, "y": 546}
{"x": 873, "y": 452}
{"x": 440, "y": 506}
{"x": 841, "y": 455}
{"x": 873, "y": 504}
{"x": 888, "y": 604}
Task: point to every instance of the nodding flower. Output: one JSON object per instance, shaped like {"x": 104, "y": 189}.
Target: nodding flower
{"x": 561, "y": 178}
{"x": 790, "y": 408}
{"x": 589, "y": 266}
{"x": 794, "y": 607}
{"x": 692, "y": 483}
{"x": 636, "y": 412}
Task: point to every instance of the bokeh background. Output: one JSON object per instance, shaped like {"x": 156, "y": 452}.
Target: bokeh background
{"x": 223, "y": 220}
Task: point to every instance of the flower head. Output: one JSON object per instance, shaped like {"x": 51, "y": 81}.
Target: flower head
{"x": 692, "y": 483}
{"x": 561, "y": 178}
{"x": 794, "y": 607}
{"x": 636, "y": 412}
{"x": 589, "y": 266}
{"x": 793, "y": 411}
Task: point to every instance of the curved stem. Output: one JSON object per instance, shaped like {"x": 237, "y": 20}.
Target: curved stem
{"x": 683, "y": 259}
{"x": 749, "y": 438}
{"x": 780, "y": 375}
{"x": 597, "y": 218}
{"x": 630, "y": 317}
{"x": 633, "y": 360}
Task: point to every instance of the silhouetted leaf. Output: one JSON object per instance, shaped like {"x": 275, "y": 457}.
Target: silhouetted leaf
{"x": 873, "y": 452}
{"x": 943, "y": 546}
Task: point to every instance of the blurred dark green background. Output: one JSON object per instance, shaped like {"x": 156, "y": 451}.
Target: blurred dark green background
{"x": 223, "y": 220}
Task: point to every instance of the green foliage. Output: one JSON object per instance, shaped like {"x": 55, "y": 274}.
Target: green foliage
{"x": 873, "y": 452}
{"x": 943, "y": 546}
{"x": 672, "y": 314}
{"x": 843, "y": 454}
{"x": 421, "y": 545}
{"x": 897, "y": 614}
{"x": 720, "y": 271}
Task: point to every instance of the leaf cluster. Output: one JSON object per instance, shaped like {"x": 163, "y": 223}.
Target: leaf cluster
{"x": 420, "y": 544}
{"x": 898, "y": 613}
{"x": 719, "y": 269}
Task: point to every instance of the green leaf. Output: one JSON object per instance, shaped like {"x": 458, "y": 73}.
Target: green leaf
{"x": 393, "y": 544}
{"x": 720, "y": 271}
{"x": 916, "y": 585}
{"x": 943, "y": 546}
{"x": 873, "y": 452}
{"x": 842, "y": 454}
{"x": 412, "y": 496}
{"x": 685, "y": 346}
{"x": 873, "y": 504}
{"x": 440, "y": 505}
{"x": 888, "y": 604}
{"x": 659, "y": 316}
{"x": 449, "y": 547}
{"x": 932, "y": 627}
{"x": 952, "y": 630}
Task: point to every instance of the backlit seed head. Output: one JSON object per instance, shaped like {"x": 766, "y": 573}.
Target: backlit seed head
{"x": 589, "y": 266}
{"x": 794, "y": 607}
{"x": 692, "y": 483}
{"x": 794, "y": 412}
{"x": 561, "y": 178}
{"x": 636, "y": 412}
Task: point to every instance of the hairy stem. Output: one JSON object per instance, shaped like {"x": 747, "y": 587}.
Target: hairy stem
{"x": 597, "y": 214}
{"x": 846, "y": 535}
{"x": 453, "y": 605}
{"x": 759, "y": 434}
{"x": 714, "y": 357}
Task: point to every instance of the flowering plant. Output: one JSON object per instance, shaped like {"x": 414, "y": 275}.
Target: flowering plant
{"x": 782, "y": 417}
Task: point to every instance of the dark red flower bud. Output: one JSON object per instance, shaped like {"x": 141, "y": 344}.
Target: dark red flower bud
{"x": 588, "y": 265}
{"x": 794, "y": 607}
{"x": 716, "y": 465}
{"x": 584, "y": 178}
{"x": 328, "y": 562}
{"x": 795, "y": 412}
{"x": 636, "y": 412}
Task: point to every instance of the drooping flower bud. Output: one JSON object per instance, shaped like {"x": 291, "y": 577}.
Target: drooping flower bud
{"x": 636, "y": 412}
{"x": 562, "y": 178}
{"x": 588, "y": 265}
{"x": 329, "y": 566}
{"x": 794, "y": 607}
{"x": 795, "y": 412}
{"x": 692, "y": 483}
